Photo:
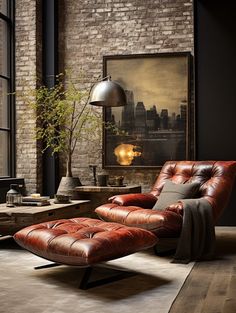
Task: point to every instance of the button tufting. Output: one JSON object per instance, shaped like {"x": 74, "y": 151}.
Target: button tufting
{"x": 92, "y": 243}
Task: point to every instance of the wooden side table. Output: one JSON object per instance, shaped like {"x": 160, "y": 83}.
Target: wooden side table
{"x": 99, "y": 195}
{"x": 16, "y": 218}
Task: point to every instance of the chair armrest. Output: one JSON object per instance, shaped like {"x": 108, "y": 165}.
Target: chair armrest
{"x": 143, "y": 200}
{"x": 162, "y": 223}
{"x": 176, "y": 208}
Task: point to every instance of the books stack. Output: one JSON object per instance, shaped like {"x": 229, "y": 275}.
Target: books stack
{"x": 37, "y": 201}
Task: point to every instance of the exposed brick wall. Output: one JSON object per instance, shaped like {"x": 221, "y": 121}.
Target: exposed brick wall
{"x": 28, "y": 67}
{"x": 88, "y": 30}
{"x": 94, "y": 28}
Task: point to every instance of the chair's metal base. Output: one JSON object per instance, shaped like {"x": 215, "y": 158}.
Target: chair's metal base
{"x": 166, "y": 246}
{"x": 85, "y": 282}
{"x": 163, "y": 252}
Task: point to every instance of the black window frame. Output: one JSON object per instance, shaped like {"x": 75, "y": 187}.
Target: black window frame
{"x": 10, "y": 78}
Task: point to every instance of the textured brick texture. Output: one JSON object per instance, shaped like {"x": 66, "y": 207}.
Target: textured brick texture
{"x": 95, "y": 28}
{"x": 28, "y": 67}
{"x": 88, "y": 30}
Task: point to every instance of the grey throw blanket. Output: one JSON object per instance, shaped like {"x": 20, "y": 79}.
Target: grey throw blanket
{"x": 197, "y": 238}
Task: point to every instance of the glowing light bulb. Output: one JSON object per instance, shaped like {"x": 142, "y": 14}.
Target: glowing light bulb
{"x": 125, "y": 153}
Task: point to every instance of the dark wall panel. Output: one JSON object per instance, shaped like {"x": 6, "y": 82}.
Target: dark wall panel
{"x": 215, "y": 59}
{"x": 5, "y": 186}
{"x": 50, "y": 70}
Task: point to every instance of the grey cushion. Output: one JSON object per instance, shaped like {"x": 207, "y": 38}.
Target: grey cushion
{"x": 172, "y": 192}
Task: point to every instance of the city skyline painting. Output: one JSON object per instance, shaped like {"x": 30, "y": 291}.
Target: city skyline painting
{"x": 155, "y": 120}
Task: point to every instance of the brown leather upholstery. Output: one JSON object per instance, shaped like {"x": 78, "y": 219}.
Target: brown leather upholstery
{"x": 216, "y": 181}
{"x": 215, "y": 177}
{"x": 83, "y": 241}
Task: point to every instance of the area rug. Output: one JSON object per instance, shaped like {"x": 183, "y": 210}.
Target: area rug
{"x": 55, "y": 290}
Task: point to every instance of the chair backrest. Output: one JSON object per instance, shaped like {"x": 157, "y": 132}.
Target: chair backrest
{"x": 216, "y": 179}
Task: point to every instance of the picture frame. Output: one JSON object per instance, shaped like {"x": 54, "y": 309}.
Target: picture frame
{"x": 156, "y": 125}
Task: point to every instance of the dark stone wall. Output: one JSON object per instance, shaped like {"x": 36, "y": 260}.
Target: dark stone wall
{"x": 215, "y": 60}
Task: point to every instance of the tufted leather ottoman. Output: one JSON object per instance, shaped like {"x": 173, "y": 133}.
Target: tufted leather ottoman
{"x": 83, "y": 241}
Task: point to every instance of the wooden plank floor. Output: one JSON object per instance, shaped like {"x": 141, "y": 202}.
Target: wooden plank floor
{"x": 211, "y": 286}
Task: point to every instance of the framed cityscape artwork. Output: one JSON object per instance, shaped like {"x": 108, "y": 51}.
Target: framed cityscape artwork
{"x": 154, "y": 126}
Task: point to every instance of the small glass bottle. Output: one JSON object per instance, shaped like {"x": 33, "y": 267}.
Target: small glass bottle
{"x": 13, "y": 197}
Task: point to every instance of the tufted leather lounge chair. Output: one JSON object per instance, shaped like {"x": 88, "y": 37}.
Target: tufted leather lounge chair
{"x": 216, "y": 180}
{"x": 85, "y": 241}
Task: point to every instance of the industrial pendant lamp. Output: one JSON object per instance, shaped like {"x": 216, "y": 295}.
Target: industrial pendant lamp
{"x": 107, "y": 93}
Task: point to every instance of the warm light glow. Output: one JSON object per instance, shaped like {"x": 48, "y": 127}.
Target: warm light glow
{"x": 125, "y": 153}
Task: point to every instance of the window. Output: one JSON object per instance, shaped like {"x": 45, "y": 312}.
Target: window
{"x": 6, "y": 88}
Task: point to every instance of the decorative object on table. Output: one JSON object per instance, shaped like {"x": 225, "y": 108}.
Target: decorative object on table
{"x": 125, "y": 153}
{"x": 102, "y": 179}
{"x": 35, "y": 199}
{"x": 13, "y": 196}
{"x": 94, "y": 168}
{"x": 118, "y": 181}
{"x": 67, "y": 186}
{"x": 66, "y": 118}
{"x": 158, "y": 117}
{"x": 61, "y": 198}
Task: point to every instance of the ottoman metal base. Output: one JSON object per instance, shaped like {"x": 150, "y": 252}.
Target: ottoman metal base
{"x": 87, "y": 283}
